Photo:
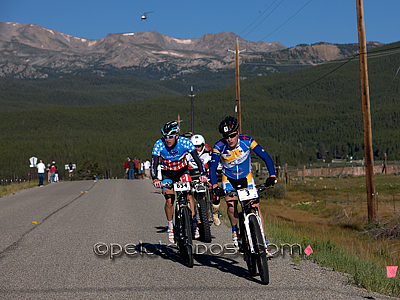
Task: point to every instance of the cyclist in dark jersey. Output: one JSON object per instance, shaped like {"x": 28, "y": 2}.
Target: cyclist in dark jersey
{"x": 233, "y": 151}
{"x": 172, "y": 150}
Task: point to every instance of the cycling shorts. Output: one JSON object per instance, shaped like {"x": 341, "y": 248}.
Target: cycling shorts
{"x": 169, "y": 176}
{"x": 231, "y": 184}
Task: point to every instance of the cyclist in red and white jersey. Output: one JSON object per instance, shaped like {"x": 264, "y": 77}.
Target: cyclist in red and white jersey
{"x": 172, "y": 149}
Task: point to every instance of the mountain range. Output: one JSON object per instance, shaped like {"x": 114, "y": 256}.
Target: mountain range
{"x": 29, "y": 51}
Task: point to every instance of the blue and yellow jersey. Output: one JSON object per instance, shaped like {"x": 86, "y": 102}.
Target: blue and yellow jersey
{"x": 236, "y": 163}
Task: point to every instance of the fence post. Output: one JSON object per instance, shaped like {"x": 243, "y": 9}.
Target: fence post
{"x": 394, "y": 203}
{"x": 335, "y": 195}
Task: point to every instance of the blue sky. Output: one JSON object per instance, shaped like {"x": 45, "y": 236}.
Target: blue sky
{"x": 290, "y": 22}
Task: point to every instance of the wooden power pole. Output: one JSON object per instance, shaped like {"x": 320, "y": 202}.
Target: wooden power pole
{"x": 238, "y": 112}
{"x": 369, "y": 161}
{"x": 239, "y": 116}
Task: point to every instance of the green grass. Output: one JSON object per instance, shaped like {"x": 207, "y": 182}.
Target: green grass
{"x": 333, "y": 228}
{"x": 363, "y": 272}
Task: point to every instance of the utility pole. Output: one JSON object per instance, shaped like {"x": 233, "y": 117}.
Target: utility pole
{"x": 369, "y": 160}
{"x": 238, "y": 112}
{"x": 192, "y": 96}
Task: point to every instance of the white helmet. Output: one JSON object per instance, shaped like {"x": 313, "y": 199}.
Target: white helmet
{"x": 198, "y": 140}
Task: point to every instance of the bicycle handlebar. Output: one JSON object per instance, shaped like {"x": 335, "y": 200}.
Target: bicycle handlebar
{"x": 261, "y": 187}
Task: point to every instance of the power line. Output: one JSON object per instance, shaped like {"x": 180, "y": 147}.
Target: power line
{"x": 257, "y": 18}
{"x": 262, "y": 19}
{"x": 287, "y": 20}
{"x": 327, "y": 74}
{"x": 389, "y": 52}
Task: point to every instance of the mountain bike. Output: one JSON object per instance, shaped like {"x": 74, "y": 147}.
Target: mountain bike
{"x": 253, "y": 244}
{"x": 183, "y": 221}
{"x": 203, "y": 197}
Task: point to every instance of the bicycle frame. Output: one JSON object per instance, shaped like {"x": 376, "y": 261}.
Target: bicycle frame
{"x": 246, "y": 197}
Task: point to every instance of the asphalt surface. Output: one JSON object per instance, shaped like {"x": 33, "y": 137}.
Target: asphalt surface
{"x": 47, "y": 251}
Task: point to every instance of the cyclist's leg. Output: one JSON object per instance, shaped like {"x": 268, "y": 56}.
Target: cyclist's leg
{"x": 169, "y": 196}
{"x": 231, "y": 200}
{"x": 169, "y": 203}
{"x": 256, "y": 203}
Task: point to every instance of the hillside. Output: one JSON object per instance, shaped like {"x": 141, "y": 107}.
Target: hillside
{"x": 297, "y": 116}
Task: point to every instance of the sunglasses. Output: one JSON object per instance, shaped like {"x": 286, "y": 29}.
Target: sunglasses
{"x": 169, "y": 137}
{"x": 232, "y": 135}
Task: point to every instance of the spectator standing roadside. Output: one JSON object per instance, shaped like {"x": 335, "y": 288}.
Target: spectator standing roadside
{"x": 53, "y": 170}
{"x": 48, "y": 173}
{"x": 56, "y": 175}
{"x": 147, "y": 168}
{"x": 141, "y": 167}
{"x": 126, "y": 166}
{"x": 136, "y": 167}
{"x": 70, "y": 170}
{"x": 41, "y": 168}
{"x": 131, "y": 166}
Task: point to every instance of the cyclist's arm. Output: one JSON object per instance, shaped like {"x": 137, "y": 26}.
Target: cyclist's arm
{"x": 266, "y": 158}
{"x": 153, "y": 167}
{"x": 199, "y": 163}
{"x": 213, "y": 168}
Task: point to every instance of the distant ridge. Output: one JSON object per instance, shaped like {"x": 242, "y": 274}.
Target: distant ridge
{"x": 30, "y": 51}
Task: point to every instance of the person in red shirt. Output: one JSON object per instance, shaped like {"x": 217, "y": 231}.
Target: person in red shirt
{"x": 53, "y": 170}
{"x": 136, "y": 167}
{"x": 126, "y": 166}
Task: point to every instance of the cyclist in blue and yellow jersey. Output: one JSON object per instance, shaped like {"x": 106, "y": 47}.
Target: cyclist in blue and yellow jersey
{"x": 233, "y": 151}
{"x": 172, "y": 149}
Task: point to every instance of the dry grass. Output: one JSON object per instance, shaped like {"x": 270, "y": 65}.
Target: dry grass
{"x": 13, "y": 188}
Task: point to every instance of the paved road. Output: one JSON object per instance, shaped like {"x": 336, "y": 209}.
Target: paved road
{"x": 47, "y": 236}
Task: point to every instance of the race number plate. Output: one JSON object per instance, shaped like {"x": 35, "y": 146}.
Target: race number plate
{"x": 182, "y": 186}
{"x": 247, "y": 194}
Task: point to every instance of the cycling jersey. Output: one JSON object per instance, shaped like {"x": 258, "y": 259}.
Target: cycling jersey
{"x": 174, "y": 159}
{"x": 205, "y": 158}
{"x": 236, "y": 163}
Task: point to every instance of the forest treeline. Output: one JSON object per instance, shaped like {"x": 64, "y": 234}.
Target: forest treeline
{"x": 298, "y": 116}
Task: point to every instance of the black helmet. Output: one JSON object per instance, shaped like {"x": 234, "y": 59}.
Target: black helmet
{"x": 228, "y": 125}
{"x": 170, "y": 128}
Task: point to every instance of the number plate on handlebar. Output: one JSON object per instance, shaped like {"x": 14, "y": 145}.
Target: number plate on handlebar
{"x": 247, "y": 194}
{"x": 182, "y": 186}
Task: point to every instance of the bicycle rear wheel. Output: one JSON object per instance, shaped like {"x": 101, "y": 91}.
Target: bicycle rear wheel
{"x": 259, "y": 248}
{"x": 187, "y": 236}
{"x": 204, "y": 225}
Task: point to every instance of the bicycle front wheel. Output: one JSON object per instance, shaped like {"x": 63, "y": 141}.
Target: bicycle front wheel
{"x": 259, "y": 248}
{"x": 248, "y": 257}
{"x": 187, "y": 236}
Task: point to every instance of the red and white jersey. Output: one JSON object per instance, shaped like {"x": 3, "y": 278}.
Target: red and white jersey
{"x": 205, "y": 158}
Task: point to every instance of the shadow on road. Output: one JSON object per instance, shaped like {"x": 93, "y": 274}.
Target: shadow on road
{"x": 224, "y": 261}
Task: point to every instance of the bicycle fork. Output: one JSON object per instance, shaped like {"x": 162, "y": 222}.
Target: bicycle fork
{"x": 248, "y": 232}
